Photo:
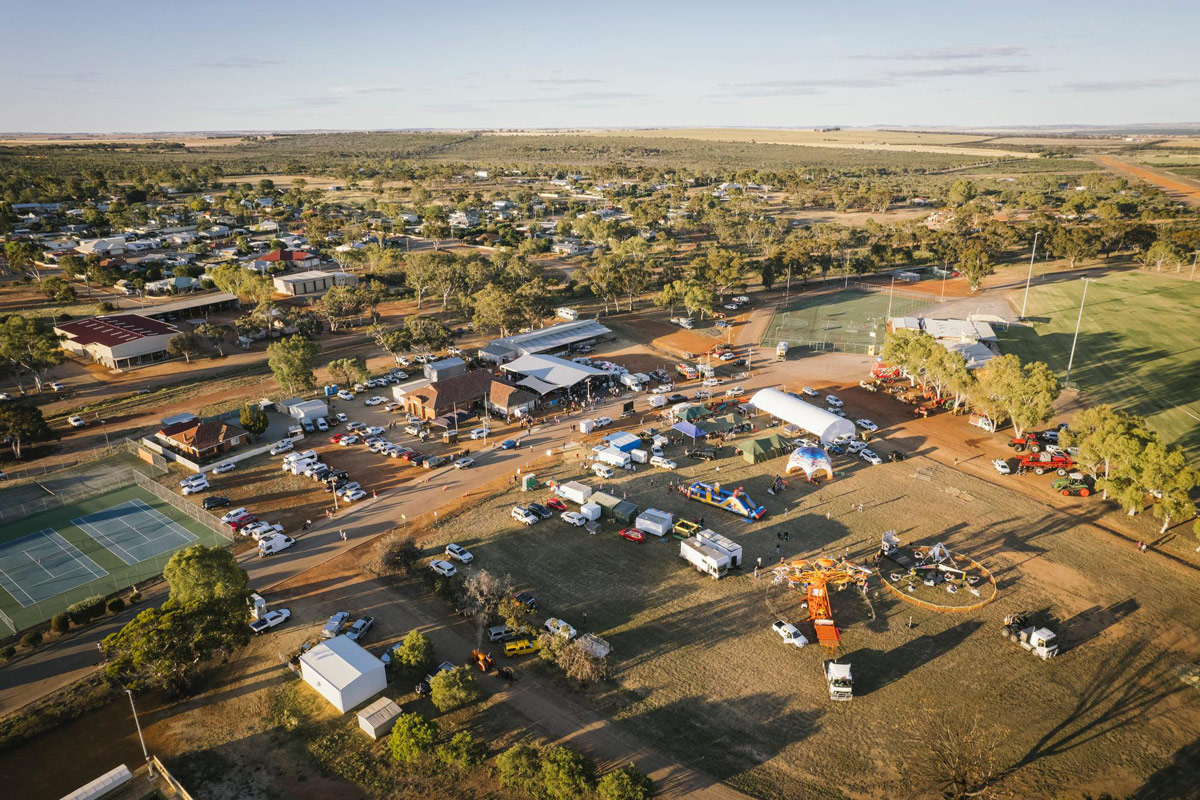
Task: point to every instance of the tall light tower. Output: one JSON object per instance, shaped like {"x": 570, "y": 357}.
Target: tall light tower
{"x": 1079, "y": 319}
{"x": 1029, "y": 277}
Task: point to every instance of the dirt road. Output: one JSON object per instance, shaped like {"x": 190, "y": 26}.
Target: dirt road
{"x": 1184, "y": 190}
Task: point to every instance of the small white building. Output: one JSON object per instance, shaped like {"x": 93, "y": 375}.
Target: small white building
{"x": 379, "y": 718}
{"x": 343, "y": 672}
{"x": 305, "y": 409}
{"x": 313, "y": 282}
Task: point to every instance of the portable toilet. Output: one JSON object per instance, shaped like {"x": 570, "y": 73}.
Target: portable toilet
{"x": 528, "y": 482}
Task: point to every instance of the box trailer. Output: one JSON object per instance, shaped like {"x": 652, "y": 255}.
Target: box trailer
{"x": 639, "y": 456}
{"x": 567, "y": 313}
{"x": 615, "y": 457}
{"x": 574, "y": 491}
{"x": 704, "y": 558}
{"x": 654, "y": 521}
{"x": 586, "y": 425}
{"x": 722, "y": 544}
{"x": 657, "y": 401}
{"x": 630, "y": 381}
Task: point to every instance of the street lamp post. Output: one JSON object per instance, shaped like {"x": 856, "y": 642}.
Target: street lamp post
{"x": 1079, "y": 319}
{"x": 1029, "y": 277}
{"x": 1195, "y": 258}
{"x": 891, "y": 294}
{"x": 141, "y": 738}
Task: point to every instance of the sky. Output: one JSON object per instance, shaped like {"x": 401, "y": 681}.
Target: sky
{"x": 125, "y": 66}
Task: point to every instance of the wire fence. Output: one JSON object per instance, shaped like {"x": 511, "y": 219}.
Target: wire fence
{"x": 190, "y": 509}
{"x": 83, "y": 488}
{"x": 911, "y": 294}
{"x": 65, "y": 461}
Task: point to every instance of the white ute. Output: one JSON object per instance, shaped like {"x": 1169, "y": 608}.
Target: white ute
{"x": 789, "y": 633}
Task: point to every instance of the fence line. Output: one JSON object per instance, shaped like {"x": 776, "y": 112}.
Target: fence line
{"x": 191, "y": 509}
{"x": 909, "y": 293}
{"x": 66, "y": 497}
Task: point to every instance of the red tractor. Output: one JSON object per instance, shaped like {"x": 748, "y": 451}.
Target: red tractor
{"x": 1030, "y": 441}
{"x": 1042, "y": 463}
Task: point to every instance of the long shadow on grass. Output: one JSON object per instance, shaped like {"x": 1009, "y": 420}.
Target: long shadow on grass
{"x": 1089, "y": 624}
{"x": 1177, "y": 780}
{"x": 875, "y": 669}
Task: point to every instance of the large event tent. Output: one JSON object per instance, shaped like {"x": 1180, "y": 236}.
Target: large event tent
{"x": 816, "y": 421}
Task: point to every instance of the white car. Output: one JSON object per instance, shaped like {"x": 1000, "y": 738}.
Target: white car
{"x": 55, "y": 386}
{"x": 833, "y": 400}
{"x": 270, "y": 620}
{"x": 393, "y": 407}
{"x": 196, "y": 488}
{"x": 741, "y": 298}
{"x": 663, "y": 388}
{"x": 321, "y": 424}
{"x": 341, "y": 418}
{"x": 354, "y": 495}
{"x": 464, "y": 463}
{"x": 808, "y": 390}
{"x": 76, "y": 421}
{"x": 524, "y": 515}
{"x": 375, "y": 400}
{"x": 731, "y": 306}
{"x": 711, "y": 382}
{"x": 559, "y": 628}
{"x": 345, "y": 394}
{"x": 1002, "y": 466}
{"x": 230, "y": 516}
{"x": 789, "y": 633}
{"x": 223, "y": 467}
{"x": 193, "y": 478}
{"x": 734, "y": 392}
{"x": 664, "y": 463}
{"x": 443, "y": 568}
{"x": 573, "y": 518}
{"x": 480, "y": 433}
{"x": 728, "y": 355}
{"x": 374, "y": 430}
{"x": 346, "y": 441}
{"x": 866, "y": 425}
{"x": 870, "y": 457}
{"x": 856, "y": 446}
{"x": 459, "y": 553}
{"x": 601, "y": 422}
{"x": 261, "y": 530}
{"x": 807, "y": 443}
{"x": 355, "y": 426}
{"x": 281, "y": 447}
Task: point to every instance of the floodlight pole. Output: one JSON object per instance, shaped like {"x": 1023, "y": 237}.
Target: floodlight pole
{"x": 1195, "y": 258}
{"x": 139, "y": 730}
{"x": 1079, "y": 319}
{"x": 891, "y": 295}
{"x": 1029, "y": 277}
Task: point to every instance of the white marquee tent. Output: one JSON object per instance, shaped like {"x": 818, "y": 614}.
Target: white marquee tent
{"x": 817, "y": 421}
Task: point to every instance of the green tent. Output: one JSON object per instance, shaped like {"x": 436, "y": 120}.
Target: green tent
{"x": 720, "y": 424}
{"x": 764, "y": 448}
{"x": 689, "y": 413}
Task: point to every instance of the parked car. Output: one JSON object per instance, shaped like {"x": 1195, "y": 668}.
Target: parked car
{"x": 677, "y": 398}
{"x": 808, "y": 390}
{"x": 866, "y": 425}
{"x": 375, "y": 400}
{"x": 321, "y": 423}
{"x": 464, "y": 463}
{"x": 1002, "y": 466}
{"x": 459, "y": 553}
{"x": 663, "y": 463}
{"x": 541, "y": 511}
{"x": 508, "y": 444}
{"x": 632, "y": 534}
{"x": 359, "y": 629}
{"x": 501, "y": 633}
{"x": 334, "y": 626}
{"x": 341, "y": 418}
{"x": 855, "y": 447}
{"x": 193, "y": 478}
{"x": 521, "y": 514}
{"x": 711, "y": 382}
{"x": 214, "y": 501}
{"x": 521, "y": 647}
{"x": 833, "y": 400}
{"x": 223, "y": 467}
{"x": 281, "y": 447}
{"x": 554, "y": 503}
{"x": 76, "y": 421}
{"x": 870, "y": 457}
{"x": 355, "y": 426}
{"x": 240, "y": 522}
{"x": 433, "y": 462}
{"x": 663, "y": 388}
{"x": 196, "y": 487}
{"x": 270, "y": 620}
{"x": 573, "y": 518}
{"x": 734, "y": 392}
{"x": 230, "y": 516}
{"x": 345, "y": 395}
{"x": 348, "y": 439}
{"x": 480, "y": 433}
{"x": 526, "y": 599}
{"x": 443, "y": 568}
{"x": 354, "y": 495}
{"x": 375, "y": 430}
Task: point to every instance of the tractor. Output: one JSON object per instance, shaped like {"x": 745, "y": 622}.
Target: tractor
{"x": 1030, "y": 441}
{"x": 483, "y": 660}
{"x": 1040, "y": 641}
{"x": 1074, "y": 483}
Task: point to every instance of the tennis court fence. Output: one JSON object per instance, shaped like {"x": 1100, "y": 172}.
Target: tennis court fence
{"x": 191, "y": 509}
{"x": 889, "y": 290}
{"x": 85, "y": 486}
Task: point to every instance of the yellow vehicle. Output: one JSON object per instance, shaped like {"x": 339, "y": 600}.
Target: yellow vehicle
{"x": 521, "y": 647}
{"x": 684, "y": 528}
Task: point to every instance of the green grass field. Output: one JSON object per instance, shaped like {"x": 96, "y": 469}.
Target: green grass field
{"x": 842, "y": 321}
{"x": 1137, "y": 346}
{"x": 55, "y": 576}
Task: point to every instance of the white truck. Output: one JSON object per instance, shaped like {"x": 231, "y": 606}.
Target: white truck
{"x": 839, "y": 681}
{"x": 1040, "y": 641}
{"x": 722, "y": 544}
{"x": 704, "y": 558}
{"x": 654, "y": 521}
{"x": 574, "y": 491}
{"x": 274, "y": 544}
{"x": 789, "y": 633}
{"x": 630, "y": 381}
{"x": 781, "y": 351}
{"x": 586, "y": 425}
{"x": 567, "y": 313}
{"x": 639, "y": 456}
{"x": 657, "y": 401}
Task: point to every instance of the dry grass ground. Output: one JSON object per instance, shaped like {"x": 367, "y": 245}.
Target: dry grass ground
{"x": 698, "y": 670}
{"x": 909, "y": 141}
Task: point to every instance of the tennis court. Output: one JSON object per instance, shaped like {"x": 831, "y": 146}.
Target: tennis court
{"x": 93, "y": 546}
{"x": 850, "y": 320}
{"x": 134, "y": 532}
{"x": 42, "y": 565}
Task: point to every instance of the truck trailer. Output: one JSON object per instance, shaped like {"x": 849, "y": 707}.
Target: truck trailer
{"x": 704, "y": 558}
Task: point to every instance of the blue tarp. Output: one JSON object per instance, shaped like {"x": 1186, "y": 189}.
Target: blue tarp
{"x": 688, "y": 429}
{"x": 623, "y": 441}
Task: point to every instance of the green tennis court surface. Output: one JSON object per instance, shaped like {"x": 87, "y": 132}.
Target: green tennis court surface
{"x": 842, "y": 320}
{"x": 98, "y": 545}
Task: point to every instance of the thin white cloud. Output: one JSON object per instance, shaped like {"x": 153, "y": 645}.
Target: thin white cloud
{"x": 948, "y": 54}
{"x": 887, "y": 79}
{"x": 1133, "y": 85}
{"x": 565, "y": 81}
{"x": 241, "y": 62}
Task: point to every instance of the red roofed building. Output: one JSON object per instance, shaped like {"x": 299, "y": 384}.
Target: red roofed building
{"x": 202, "y": 440}
{"x": 117, "y": 340}
{"x": 301, "y": 259}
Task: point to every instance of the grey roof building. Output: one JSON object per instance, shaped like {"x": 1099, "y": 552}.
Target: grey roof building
{"x": 499, "y": 351}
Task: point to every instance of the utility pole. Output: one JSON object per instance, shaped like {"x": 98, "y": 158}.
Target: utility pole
{"x": 1194, "y": 259}
{"x": 1071, "y": 360}
{"x": 139, "y": 730}
{"x": 891, "y": 295}
{"x": 1029, "y": 277}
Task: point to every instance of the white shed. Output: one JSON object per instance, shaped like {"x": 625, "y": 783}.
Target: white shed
{"x": 343, "y": 672}
{"x": 306, "y": 409}
{"x": 816, "y": 421}
{"x": 379, "y": 717}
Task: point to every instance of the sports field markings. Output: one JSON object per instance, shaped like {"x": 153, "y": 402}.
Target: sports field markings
{"x": 23, "y": 562}
{"x": 125, "y": 540}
